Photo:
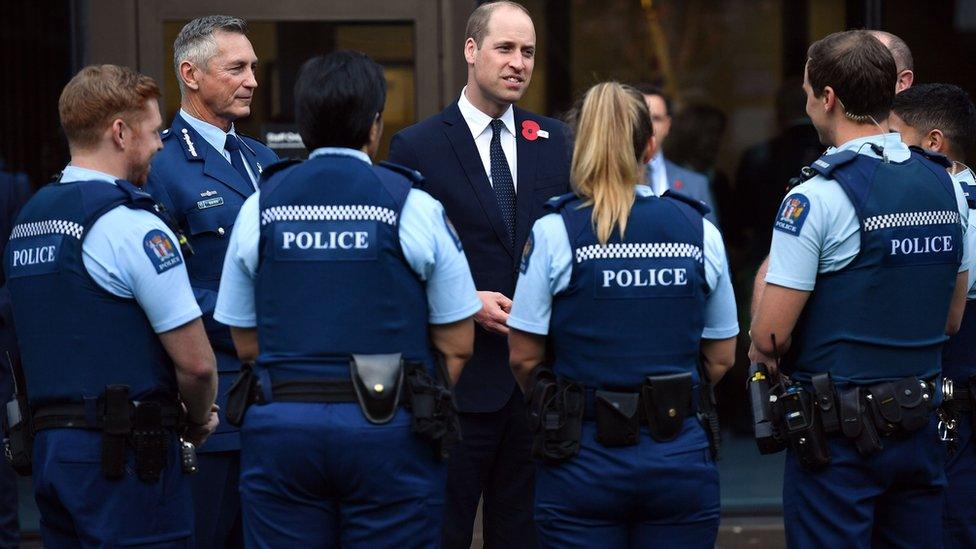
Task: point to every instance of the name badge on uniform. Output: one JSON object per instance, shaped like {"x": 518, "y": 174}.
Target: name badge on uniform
{"x": 331, "y": 240}
{"x": 210, "y": 203}
{"x": 161, "y": 251}
{"x": 34, "y": 256}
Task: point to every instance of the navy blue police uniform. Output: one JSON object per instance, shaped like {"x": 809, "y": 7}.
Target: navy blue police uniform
{"x": 335, "y": 257}
{"x": 93, "y": 276}
{"x": 879, "y": 230}
{"x": 624, "y": 316}
{"x": 203, "y": 192}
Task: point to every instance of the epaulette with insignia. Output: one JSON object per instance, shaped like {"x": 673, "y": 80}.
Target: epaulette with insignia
{"x": 556, "y": 203}
{"x": 413, "y": 175}
{"x": 165, "y": 133}
{"x": 939, "y": 159}
{"x": 698, "y": 205}
{"x": 826, "y": 164}
{"x": 279, "y": 166}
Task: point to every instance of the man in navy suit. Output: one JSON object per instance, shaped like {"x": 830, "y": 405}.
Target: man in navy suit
{"x": 203, "y": 175}
{"x": 492, "y": 166}
{"x": 662, "y": 174}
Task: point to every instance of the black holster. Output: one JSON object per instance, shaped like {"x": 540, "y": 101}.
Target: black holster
{"x": 555, "y": 416}
{"x": 116, "y": 430}
{"x": 18, "y": 439}
{"x": 241, "y": 395}
{"x": 433, "y": 409}
{"x": 708, "y": 416}
{"x": 377, "y": 381}
{"x": 803, "y": 429}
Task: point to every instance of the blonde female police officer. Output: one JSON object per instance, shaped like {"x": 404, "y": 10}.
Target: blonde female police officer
{"x": 631, "y": 288}
{"x": 331, "y": 258}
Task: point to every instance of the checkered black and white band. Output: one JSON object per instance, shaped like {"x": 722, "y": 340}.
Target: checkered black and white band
{"x": 328, "y": 213}
{"x": 911, "y": 219}
{"x": 638, "y": 250}
{"x": 49, "y": 226}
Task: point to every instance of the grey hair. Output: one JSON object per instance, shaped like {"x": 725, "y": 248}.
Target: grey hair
{"x": 195, "y": 42}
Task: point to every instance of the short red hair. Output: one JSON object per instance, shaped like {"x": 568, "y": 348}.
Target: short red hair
{"x": 99, "y": 94}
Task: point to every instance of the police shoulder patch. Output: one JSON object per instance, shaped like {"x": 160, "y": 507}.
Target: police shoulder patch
{"x": 162, "y": 253}
{"x": 792, "y": 213}
{"x": 527, "y": 252}
{"x": 451, "y": 230}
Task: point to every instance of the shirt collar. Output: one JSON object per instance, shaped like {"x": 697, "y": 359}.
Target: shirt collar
{"x": 965, "y": 176}
{"x": 340, "y": 151}
{"x": 74, "y": 173}
{"x": 210, "y": 133}
{"x": 478, "y": 121}
{"x": 891, "y": 145}
{"x": 643, "y": 191}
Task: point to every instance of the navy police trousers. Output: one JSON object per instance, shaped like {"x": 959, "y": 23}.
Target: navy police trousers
{"x": 81, "y": 508}
{"x": 959, "y": 522}
{"x": 653, "y": 494}
{"x": 893, "y": 498}
{"x": 320, "y": 475}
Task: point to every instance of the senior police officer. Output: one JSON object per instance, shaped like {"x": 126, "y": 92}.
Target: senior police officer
{"x": 866, "y": 275}
{"x": 203, "y": 175}
{"x": 631, "y": 289}
{"x": 941, "y": 118}
{"x": 110, "y": 334}
{"x": 341, "y": 280}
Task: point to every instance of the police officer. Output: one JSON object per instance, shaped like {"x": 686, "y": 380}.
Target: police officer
{"x": 866, "y": 275}
{"x": 631, "y": 289}
{"x": 114, "y": 353}
{"x": 338, "y": 280}
{"x": 941, "y": 118}
{"x": 203, "y": 175}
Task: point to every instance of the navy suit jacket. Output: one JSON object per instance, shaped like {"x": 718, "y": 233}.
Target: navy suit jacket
{"x": 442, "y": 149}
{"x": 203, "y": 192}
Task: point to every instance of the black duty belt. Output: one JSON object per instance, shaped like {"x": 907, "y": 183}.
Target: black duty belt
{"x": 78, "y": 416}
{"x": 589, "y": 402}
{"x": 333, "y": 390}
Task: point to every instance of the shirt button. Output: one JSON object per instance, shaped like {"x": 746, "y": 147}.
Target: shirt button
{"x": 220, "y": 231}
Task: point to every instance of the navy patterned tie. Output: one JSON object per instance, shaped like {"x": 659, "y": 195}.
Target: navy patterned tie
{"x": 233, "y": 146}
{"x": 501, "y": 178}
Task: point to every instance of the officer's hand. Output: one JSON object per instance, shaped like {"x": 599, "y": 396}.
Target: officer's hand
{"x": 493, "y": 315}
{"x": 198, "y": 433}
{"x": 755, "y": 356}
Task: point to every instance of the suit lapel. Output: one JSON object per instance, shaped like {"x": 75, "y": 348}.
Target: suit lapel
{"x": 527, "y": 159}
{"x": 214, "y": 163}
{"x": 459, "y": 136}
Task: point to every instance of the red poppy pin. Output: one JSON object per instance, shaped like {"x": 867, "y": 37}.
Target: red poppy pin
{"x": 531, "y": 131}
{"x": 678, "y": 184}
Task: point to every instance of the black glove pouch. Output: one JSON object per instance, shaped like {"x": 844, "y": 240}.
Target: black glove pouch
{"x": 617, "y": 418}
{"x": 857, "y": 422}
{"x": 241, "y": 395}
{"x": 149, "y": 440}
{"x": 18, "y": 440}
{"x": 377, "y": 380}
{"x": 667, "y": 401}
{"x": 116, "y": 430}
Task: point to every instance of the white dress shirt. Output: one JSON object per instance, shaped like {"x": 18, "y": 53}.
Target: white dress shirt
{"x": 659, "y": 173}
{"x": 480, "y": 125}
{"x": 216, "y": 137}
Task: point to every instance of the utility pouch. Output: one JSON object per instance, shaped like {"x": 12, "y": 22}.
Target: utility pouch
{"x": 856, "y": 424}
{"x": 915, "y": 399}
{"x": 18, "y": 439}
{"x": 884, "y": 407}
{"x": 823, "y": 391}
{"x": 241, "y": 395}
{"x": 542, "y": 387}
{"x": 559, "y": 420}
{"x": 150, "y": 441}
{"x": 667, "y": 400}
{"x": 377, "y": 380}
{"x": 617, "y": 418}
{"x": 116, "y": 430}
{"x": 434, "y": 412}
{"x": 804, "y": 430}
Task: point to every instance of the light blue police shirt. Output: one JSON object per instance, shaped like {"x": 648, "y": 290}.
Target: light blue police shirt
{"x": 829, "y": 236}
{"x": 966, "y": 177}
{"x": 428, "y": 245}
{"x": 217, "y": 137}
{"x": 114, "y": 253}
{"x": 551, "y": 266}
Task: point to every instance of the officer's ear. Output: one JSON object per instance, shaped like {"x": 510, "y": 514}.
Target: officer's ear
{"x": 936, "y": 141}
{"x": 121, "y": 134}
{"x": 649, "y": 150}
{"x": 828, "y": 99}
{"x": 189, "y": 75}
{"x": 375, "y": 133}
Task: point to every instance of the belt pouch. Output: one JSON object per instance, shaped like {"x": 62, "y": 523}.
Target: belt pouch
{"x": 884, "y": 407}
{"x": 823, "y": 389}
{"x": 667, "y": 400}
{"x": 149, "y": 440}
{"x": 804, "y": 430}
{"x": 18, "y": 440}
{"x": 856, "y": 424}
{"x": 377, "y": 380}
{"x": 914, "y": 397}
{"x": 560, "y": 425}
{"x": 241, "y": 394}
{"x": 433, "y": 411}
{"x": 116, "y": 429}
{"x": 617, "y": 418}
